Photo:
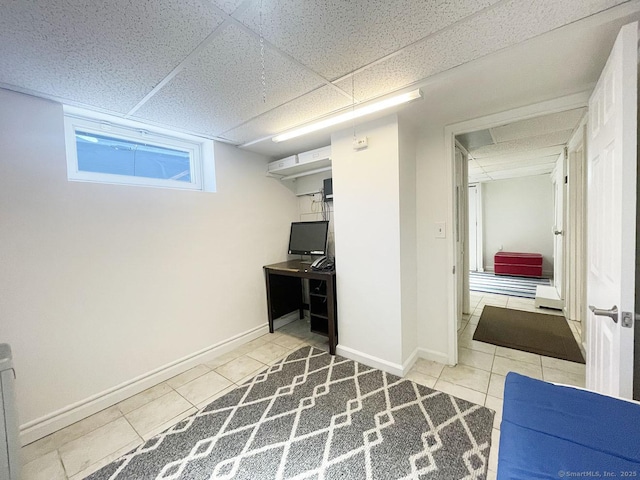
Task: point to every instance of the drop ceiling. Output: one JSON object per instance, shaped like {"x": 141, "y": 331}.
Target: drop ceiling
{"x": 518, "y": 149}
{"x": 198, "y": 65}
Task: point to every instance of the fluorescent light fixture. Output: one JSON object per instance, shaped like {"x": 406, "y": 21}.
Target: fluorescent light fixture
{"x": 345, "y": 117}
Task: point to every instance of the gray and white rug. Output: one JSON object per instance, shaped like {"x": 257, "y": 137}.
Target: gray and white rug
{"x": 317, "y": 416}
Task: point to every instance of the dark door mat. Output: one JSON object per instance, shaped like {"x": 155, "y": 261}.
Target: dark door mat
{"x": 539, "y": 333}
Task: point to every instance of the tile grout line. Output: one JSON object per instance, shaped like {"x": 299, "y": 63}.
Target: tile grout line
{"x": 64, "y": 469}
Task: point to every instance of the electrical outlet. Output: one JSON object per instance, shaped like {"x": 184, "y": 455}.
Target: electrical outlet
{"x": 441, "y": 230}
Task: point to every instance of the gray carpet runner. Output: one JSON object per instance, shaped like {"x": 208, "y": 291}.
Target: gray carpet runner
{"x": 317, "y": 416}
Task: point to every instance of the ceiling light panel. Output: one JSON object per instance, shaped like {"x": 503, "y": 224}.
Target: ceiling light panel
{"x": 309, "y": 107}
{"x": 335, "y": 37}
{"x": 349, "y": 115}
{"x": 104, "y": 54}
{"x": 523, "y": 144}
{"x": 497, "y": 28}
{"x": 223, "y": 86}
{"x": 532, "y": 127}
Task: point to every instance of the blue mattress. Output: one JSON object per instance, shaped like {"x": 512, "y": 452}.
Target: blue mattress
{"x": 549, "y": 431}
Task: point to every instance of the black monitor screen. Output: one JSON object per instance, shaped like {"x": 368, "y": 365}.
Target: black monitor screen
{"x": 308, "y": 238}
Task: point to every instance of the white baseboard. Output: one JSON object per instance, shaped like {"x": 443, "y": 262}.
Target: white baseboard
{"x": 43, "y": 426}
{"x": 370, "y": 360}
{"x": 390, "y": 367}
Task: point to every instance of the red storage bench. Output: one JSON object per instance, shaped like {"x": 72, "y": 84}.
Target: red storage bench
{"x": 520, "y": 264}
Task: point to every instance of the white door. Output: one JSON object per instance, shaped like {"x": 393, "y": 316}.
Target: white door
{"x": 459, "y": 231}
{"x": 473, "y": 229}
{"x": 558, "y": 228}
{"x": 611, "y": 195}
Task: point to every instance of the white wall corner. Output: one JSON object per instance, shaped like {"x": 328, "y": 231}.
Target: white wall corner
{"x": 70, "y": 414}
{"x": 434, "y": 356}
{"x": 370, "y": 360}
{"x": 409, "y": 362}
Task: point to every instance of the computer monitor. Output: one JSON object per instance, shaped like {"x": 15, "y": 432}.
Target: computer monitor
{"x": 309, "y": 238}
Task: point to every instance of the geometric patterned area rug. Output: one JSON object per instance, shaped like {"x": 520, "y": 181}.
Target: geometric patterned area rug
{"x": 505, "y": 285}
{"x": 318, "y": 416}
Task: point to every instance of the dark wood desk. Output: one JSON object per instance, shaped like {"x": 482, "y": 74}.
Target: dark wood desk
{"x": 284, "y": 294}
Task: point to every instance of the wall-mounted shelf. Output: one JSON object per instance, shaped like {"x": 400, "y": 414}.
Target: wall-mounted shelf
{"x": 307, "y": 163}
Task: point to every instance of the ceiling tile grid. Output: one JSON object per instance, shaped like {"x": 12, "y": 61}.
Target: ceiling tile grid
{"x": 524, "y": 155}
{"x": 335, "y": 37}
{"x": 228, "y": 6}
{"x": 495, "y": 167}
{"x": 304, "y": 109}
{"x": 529, "y": 156}
{"x": 104, "y": 54}
{"x": 496, "y": 28}
{"x": 522, "y": 144}
{"x": 521, "y": 172}
{"x": 539, "y": 125}
{"x": 223, "y": 86}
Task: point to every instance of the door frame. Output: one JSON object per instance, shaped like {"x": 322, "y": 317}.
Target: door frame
{"x": 576, "y": 216}
{"x": 477, "y": 212}
{"x": 461, "y": 230}
{"x": 559, "y": 181}
{"x": 569, "y": 102}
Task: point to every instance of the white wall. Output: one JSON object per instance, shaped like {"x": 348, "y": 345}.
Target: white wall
{"x": 433, "y": 205}
{"x": 367, "y": 243}
{"x": 104, "y": 283}
{"x": 518, "y": 217}
{"x": 408, "y": 246}
{"x": 310, "y": 204}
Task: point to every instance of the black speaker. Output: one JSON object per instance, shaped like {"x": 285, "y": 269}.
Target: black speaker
{"x": 328, "y": 189}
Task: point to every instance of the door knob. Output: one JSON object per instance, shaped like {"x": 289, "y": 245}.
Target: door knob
{"x": 612, "y": 314}
{"x": 558, "y": 232}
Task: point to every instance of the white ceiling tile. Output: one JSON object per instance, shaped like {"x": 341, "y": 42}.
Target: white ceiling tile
{"x": 307, "y": 108}
{"x": 523, "y": 144}
{"x": 473, "y": 164}
{"x": 335, "y": 37}
{"x": 105, "y": 54}
{"x": 524, "y": 155}
{"x": 500, "y": 161}
{"x": 520, "y": 172}
{"x": 229, "y": 6}
{"x": 553, "y": 122}
{"x": 223, "y": 86}
{"x": 505, "y": 25}
{"x": 541, "y": 162}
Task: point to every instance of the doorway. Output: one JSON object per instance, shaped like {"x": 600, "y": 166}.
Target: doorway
{"x": 507, "y": 155}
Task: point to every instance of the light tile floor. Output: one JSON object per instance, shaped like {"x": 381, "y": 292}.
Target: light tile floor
{"x": 481, "y": 370}
{"x": 84, "y": 447}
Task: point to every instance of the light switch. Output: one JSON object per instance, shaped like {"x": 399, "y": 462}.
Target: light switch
{"x": 441, "y": 230}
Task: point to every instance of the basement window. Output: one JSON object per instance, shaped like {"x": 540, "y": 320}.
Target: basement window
{"x": 116, "y": 151}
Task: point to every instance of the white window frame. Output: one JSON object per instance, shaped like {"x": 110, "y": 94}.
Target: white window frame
{"x": 200, "y": 150}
